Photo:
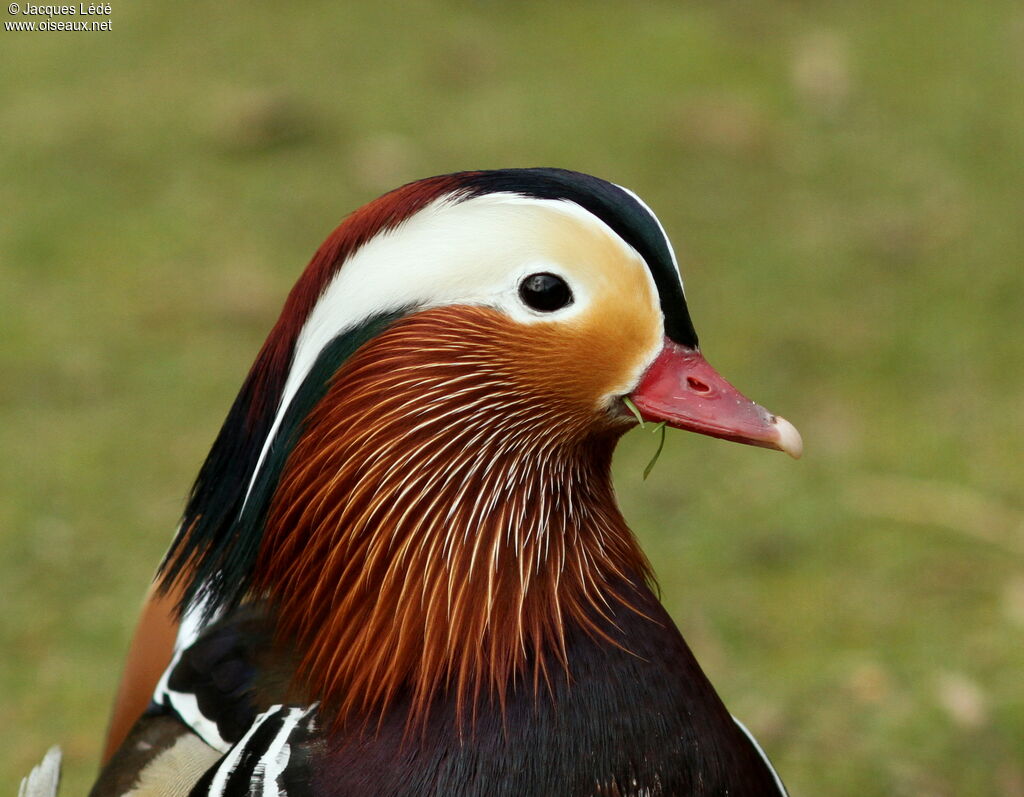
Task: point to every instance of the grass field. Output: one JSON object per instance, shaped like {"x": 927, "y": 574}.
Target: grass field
{"x": 845, "y": 184}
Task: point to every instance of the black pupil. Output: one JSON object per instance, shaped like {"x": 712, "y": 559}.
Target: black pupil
{"x": 545, "y": 292}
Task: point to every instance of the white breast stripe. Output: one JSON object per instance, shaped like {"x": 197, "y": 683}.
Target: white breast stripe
{"x": 187, "y": 707}
{"x": 764, "y": 757}
{"x": 271, "y": 761}
{"x": 274, "y": 761}
{"x": 185, "y": 703}
{"x": 230, "y": 761}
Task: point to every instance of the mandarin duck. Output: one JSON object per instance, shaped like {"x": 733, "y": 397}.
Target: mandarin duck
{"x": 402, "y": 570}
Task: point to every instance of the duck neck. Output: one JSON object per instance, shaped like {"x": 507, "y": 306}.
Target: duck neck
{"x": 437, "y": 527}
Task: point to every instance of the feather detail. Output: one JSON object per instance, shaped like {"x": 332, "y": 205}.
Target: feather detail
{"x": 44, "y": 778}
{"x": 442, "y": 516}
{"x": 205, "y": 553}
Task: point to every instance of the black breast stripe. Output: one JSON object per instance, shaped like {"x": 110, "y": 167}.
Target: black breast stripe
{"x": 261, "y": 762}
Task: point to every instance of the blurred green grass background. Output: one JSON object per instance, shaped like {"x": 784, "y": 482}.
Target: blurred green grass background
{"x": 843, "y": 182}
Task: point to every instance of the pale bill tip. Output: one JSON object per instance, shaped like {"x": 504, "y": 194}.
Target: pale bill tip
{"x": 789, "y": 438}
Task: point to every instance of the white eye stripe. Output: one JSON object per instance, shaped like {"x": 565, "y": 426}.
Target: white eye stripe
{"x": 472, "y": 252}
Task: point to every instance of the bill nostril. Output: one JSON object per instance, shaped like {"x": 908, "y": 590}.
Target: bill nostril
{"x": 696, "y": 384}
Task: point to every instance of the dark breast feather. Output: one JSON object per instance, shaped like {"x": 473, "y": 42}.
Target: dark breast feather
{"x": 637, "y": 718}
{"x": 640, "y": 720}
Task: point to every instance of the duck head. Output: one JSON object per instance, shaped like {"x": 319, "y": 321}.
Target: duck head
{"x": 416, "y": 473}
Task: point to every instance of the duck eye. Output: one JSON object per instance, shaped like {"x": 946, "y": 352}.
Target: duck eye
{"x": 545, "y": 292}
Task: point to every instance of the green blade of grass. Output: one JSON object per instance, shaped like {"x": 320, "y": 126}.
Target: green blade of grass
{"x": 661, "y": 445}
{"x": 633, "y": 409}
